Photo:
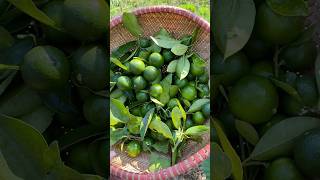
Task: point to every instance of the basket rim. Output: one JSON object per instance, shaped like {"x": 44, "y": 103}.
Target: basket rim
{"x": 198, "y": 157}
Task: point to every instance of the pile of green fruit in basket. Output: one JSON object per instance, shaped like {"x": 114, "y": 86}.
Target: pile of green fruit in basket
{"x": 159, "y": 94}
{"x": 53, "y": 89}
{"x": 266, "y": 108}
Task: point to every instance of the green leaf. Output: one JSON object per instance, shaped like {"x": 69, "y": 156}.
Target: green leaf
{"x": 233, "y": 22}
{"x": 162, "y": 147}
{"x": 279, "y": 139}
{"x": 197, "y": 130}
{"x": 118, "y": 63}
{"x": 158, "y": 161}
{"x": 165, "y": 41}
{"x": 176, "y": 116}
{"x": 287, "y": 88}
{"x": 289, "y": 7}
{"x": 172, "y": 66}
{"x": 183, "y": 67}
{"x": 117, "y": 134}
{"x": 5, "y": 83}
{"x": 156, "y": 101}
{"x": 317, "y": 75}
{"x": 162, "y": 32}
{"x": 221, "y": 164}
{"x": 197, "y": 105}
{"x": 6, "y": 39}
{"x": 5, "y": 171}
{"x": 161, "y": 128}
{"x": 124, "y": 49}
{"x": 9, "y": 67}
{"x": 131, "y": 23}
{"x": 28, "y": 7}
{"x": 145, "y": 123}
{"x": 186, "y": 103}
{"x": 179, "y": 49}
{"x": 118, "y": 112}
{"x": 164, "y": 97}
{"x": 40, "y": 118}
{"x": 183, "y": 112}
{"x": 237, "y": 171}
{"x": 195, "y": 34}
{"x": 247, "y": 131}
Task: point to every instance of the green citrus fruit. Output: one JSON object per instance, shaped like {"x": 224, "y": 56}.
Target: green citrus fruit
{"x": 167, "y": 55}
{"x": 282, "y": 169}
{"x": 134, "y": 125}
{"x": 124, "y": 83}
{"x": 142, "y": 96}
{"x": 156, "y": 90}
{"x": 299, "y": 57}
{"x": 251, "y": 97}
{"x": 89, "y": 66}
{"x": 262, "y": 68}
{"x": 192, "y": 83}
{"x": 275, "y": 28}
{"x": 133, "y": 149}
{"x": 173, "y": 90}
{"x": 172, "y": 103}
{"x": 198, "y": 118}
{"x": 206, "y": 110}
{"x": 197, "y": 69}
{"x": 146, "y": 107}
{"x": 95, "y": 109}
{"x": 156, "y": 60}
{"x": 78, "y": 158}
{"x": 139, "y": 83}
{"x": 157, "y": 80}
{"x": 256, "y": 49}
{"x": 85, "y": 20}
{"x": 231, "y": 69}
{"x": 136, "y": 66}
{"x": 307, "y": 154}
{"x": 151, "y": 73}
{"x": 181, "y": 83}
{"x": 189, "y": 93}
{"x": 45, "y": 68}
{"x": 144, "y": 42}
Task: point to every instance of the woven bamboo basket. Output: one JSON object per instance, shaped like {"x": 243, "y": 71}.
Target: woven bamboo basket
{"x": 178, "y": 22}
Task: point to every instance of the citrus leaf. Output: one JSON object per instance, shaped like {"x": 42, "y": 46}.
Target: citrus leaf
{"x": 156, "y": 101}
{"x": 6, "y": 39}
{"x": 287, "y": 88}
{"x": 233, "y": 21}
{"x": 124, "y": 49}
{"x": 197, "y": 130}
{"x": 179, "y": 49}
{"x": 158, "y": 161}
{"x": 28, "y": 7}
{"x": 162, "y": 32}
{"x": 176, "y": 117}
{"x": 145, "y": 123}
{"x": 183, "y": 67}
{"x": 279, "y": 139}
{"x": 197, "y": 105}
{"x": 221, "y": 164}
{"x": 9, "y": 67}
{"x": 237, "y": 171}
{"x": 131, "y": 23}
{"x": 172, "y": 66}
{"x": 117, "y": 134}
{"x": 247, "y": 131}
{"x": 118, "y": 63}
{"x": 161, "y": 128}
{"x": 164, "y": 97}
{"x": 5, "y": 83}
{"x": 289, "y": 7}
{"x": 165, "y": 41}
{"x": 40, "y": 118}
{"x": 118, "y": 112}
{"x": 162, "y": 147}
{"x": 183, "y": 112}
{"x": 5, "y": 171}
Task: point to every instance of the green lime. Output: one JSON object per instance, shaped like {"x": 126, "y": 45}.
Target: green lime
{"x": 189, "y": 93}
{"x": 151, "y": 73}
{"x": 144, "y": 42}
{"x": 192, "y": 83}
{"x": 206, "y": 110}
{"x": 167, "y": 55}
{"x": 256, "y": 49}
{"x": 156, "y": 60}
{"x": 172, "y": 103}
{"x": 134, "y": 125}
{"x": 262, "y": 68}
{"x": 173, "y": 91}
{"x": 275, "y": 28}
{"x": 156, "y": 90}
{"x": 204, "y": 78}
{"x": 157, "y": 80}
{"x": 78, "y": 158}
{"x": 95, "y": 109}
{"x": 197, "y": 69}
{"x": 146, "y": 107}
{"x": 89, "y": 64}
{"x": 307, "y": 154}
{"x": 198, "y": 118}
{"x": 282, "y": 169}
{"x": 203, "y": 90}
{"x": 139, "y": 83}
{"x": 136, "y": 66}
{"x": 181, "y": 83}
{"x": 133, "y": 149}
{"x": 85, "y": 20}
{"x": 299, "y": 57}
{"x": 251, "y": 97}
{"x": 142, "y": 97}
{"x": 231, "y": 69}
{"x": 45, "y": 68}
{"x": 124, "y": 83}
